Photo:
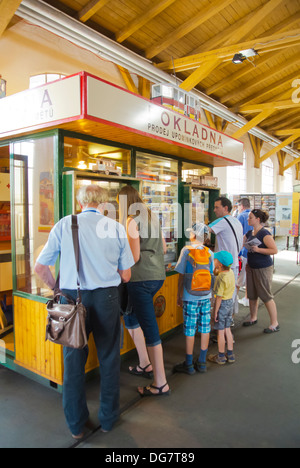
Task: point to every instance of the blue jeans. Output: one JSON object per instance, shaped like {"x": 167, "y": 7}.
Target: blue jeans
{"x": 103, "y": 320}
{"x": 141, "y": 296}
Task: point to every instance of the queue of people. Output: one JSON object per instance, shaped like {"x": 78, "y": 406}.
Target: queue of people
{"x": 126, "y": 269}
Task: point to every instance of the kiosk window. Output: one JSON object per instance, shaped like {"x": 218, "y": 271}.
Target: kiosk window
{"x": 101, "y": 158}
{"x": 33, "y": 209}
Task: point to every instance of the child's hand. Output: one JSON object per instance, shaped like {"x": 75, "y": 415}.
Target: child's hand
{"x": 216, "y": 317}
{"x": 179, "y": 302}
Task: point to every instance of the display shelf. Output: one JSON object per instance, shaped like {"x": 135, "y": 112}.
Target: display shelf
{"x": 5, "y": 223}
{"x": 160, "y": 192}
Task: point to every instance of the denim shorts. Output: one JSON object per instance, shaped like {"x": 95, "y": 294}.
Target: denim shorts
{"x": 196, "y": 314}
{"x": 141, "y": 296}
{"x": 225, "y": 315}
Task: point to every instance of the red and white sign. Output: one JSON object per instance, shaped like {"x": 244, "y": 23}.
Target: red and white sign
{"x": 83, "y": 96}
{"x": 39, "y": 107}
{"x": 112, "y": 104}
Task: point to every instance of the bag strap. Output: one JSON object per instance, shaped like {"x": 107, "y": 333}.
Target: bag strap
{"x": 75, "y": 228}
{"x": 237, "y": 243}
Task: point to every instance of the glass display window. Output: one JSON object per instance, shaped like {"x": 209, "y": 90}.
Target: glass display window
{"x": 112, "y": 189}
{"x": 192, "y": 172}
{"x": 100, "y": 158}
{"x": 159, "y": 191}
{"x": 33, "y": 209}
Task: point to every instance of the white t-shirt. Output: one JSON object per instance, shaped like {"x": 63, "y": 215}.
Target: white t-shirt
{"x": 225, "y": 238}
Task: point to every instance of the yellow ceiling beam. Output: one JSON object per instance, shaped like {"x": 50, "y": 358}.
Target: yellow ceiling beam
{"x": 128, "y": 80}
{"x": 258, "y": 80}
{"x": 224, "y": 36}
{"x": 90, "y": 9}
{"x": 293, "y": 163}
{"x": 252, "y": 123}
{"x": 236, "y": 36}
{"x": 246, "y": 69}
{"x": 204, "y": 15}
{"x": 279, "y": 105}
{"x": 288, "y": 131}
{"x": 262, "y": 44}
{"x": 278, "y": 84}
{"x": 280, "y": 118}
{"x": 257, "y": 145}
{"x": 199, "y": 74}
{"x": 289, "y": 122}
{"x": 138, "y": 22}
{"x": 281, "y": 158}
{"x": 7, "y": 11}
{"x": 288, "y": 23}
{"x": 280, "y": 147}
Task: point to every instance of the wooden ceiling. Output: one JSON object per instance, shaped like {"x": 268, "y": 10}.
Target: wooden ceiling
{"x": 197, "y": 39}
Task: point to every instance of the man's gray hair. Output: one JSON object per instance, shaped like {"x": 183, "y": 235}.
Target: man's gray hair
{"x": 91, "y": 195}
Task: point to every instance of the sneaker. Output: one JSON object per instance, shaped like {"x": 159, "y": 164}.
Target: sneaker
{"x": 217, "y": 359}
{"x": 200, "y": 367}
{"x": 183, "y": 368}
{"x": 230, "y": 358}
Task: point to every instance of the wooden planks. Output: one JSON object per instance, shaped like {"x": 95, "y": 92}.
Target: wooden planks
{"x": 32, "y": 351}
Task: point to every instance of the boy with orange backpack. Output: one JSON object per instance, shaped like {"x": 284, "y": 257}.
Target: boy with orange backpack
{"x": 195, "y": 267}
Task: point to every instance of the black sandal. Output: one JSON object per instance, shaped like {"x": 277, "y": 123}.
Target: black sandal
{"x": 147, "y": 391}
{"x": 142, "y": 372}
{"x": 250, "y": 324}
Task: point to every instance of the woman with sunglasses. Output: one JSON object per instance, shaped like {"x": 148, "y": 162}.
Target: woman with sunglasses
{"x": 261, "y": 246}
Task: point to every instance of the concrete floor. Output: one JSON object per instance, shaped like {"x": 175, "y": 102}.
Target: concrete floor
{"x": 253, "y": 403}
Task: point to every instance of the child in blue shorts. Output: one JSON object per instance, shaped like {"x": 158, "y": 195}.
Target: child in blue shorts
{"x": 194, "y": 295}
{"x": 223, "y": 310}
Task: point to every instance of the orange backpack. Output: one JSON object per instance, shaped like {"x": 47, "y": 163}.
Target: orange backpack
{"x": 200, "y": 282}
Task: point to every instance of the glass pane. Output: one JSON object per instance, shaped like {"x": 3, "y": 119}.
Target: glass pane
{"x": 112, "y": 188}
{"x": 191, "y": 173}
{"x": 97, "y": 157}
{"x": 160, "y": 192}
{"x": 33, "y": 209}
{"x": 200, "y": 206}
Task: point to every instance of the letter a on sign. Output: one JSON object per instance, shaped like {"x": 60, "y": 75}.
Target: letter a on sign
{"x": 46, "y": 99}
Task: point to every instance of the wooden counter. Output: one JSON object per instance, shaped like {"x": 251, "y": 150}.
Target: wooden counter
{"x": 46, "y": 359}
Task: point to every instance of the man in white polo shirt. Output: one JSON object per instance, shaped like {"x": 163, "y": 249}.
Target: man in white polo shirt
{"x": 105, "y": 260}
{"x": 229, "y": 235}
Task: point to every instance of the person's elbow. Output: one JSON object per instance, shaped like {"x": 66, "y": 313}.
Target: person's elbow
{"x": 125, "y": 275}
{"x": 39, "y": 269}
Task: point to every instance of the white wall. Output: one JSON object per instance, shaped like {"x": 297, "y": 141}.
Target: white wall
{"x": 28, "y": 50}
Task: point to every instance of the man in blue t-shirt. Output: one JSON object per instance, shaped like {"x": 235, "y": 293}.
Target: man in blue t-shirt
{"x": 244, "y": 211}
{"x": 105, "y": 261}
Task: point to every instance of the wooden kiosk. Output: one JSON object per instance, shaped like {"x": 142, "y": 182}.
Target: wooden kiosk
{"x": 82, "y": 130}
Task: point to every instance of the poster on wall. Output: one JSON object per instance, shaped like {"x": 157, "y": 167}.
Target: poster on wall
{"x": 46, "y": 193}
{"x": 284, "y": 205}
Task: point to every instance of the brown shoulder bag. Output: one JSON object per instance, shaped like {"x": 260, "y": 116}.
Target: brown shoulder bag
{"x": 66, "y": 322}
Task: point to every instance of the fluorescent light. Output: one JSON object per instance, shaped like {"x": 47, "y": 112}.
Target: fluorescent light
{"x": 248, "y": 53}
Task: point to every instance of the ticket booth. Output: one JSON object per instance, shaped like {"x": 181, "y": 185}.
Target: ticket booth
{"x": 82, "y": 130}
